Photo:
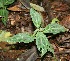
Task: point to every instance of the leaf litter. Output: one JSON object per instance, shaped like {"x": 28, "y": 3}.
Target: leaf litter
{"x": 19, "y": 21}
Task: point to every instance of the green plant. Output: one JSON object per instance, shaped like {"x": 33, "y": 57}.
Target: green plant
{"x": 3, "y": 9}
{"x": 39, "y": 36}
{"x": 4, "y": 35}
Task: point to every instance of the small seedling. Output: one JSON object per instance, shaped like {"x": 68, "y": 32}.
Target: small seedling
{"x": 3, "y": 9}
{"x": 39, "y": 36}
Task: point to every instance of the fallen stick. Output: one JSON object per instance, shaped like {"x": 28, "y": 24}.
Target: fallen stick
{"x": 30, "y": 55}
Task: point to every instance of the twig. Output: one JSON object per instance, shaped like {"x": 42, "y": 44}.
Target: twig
{"x": 47, "y": 5}
{"x": 30, "y": 55}
{"x": 63, "y": 52}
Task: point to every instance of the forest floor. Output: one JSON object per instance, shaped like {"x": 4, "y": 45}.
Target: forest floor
{"x": 19, "y": 20}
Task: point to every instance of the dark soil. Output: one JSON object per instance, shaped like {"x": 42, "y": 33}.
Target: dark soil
{"x": 19, "y": 20}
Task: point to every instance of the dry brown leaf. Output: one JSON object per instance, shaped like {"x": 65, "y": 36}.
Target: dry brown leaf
{"x": 66, "y": 22}
{"x": 12, "y": 22}
{"x": 15, "y": 8}
{"x": 61, "y": 49}
{"x": 58, "y": 6}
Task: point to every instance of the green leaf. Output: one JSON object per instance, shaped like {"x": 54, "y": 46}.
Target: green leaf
{"x": 54, "y": 28}
{"x": 21, "y": 37}
{"x": 4, "y": 14}
{"x": 4, "y": 35}
{"x": 37, "y": 7}
{"x": 1, "y": 5}
{"x": 1, "y": 1}
{"x": 55, "y": 20}
{"x": 7, "y": 2}
{"x": 36, "y": 17}
{"x": 43, "y": 44}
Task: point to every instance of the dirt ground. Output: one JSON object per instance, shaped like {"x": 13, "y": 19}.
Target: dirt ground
{"x": 19, "y": 20}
